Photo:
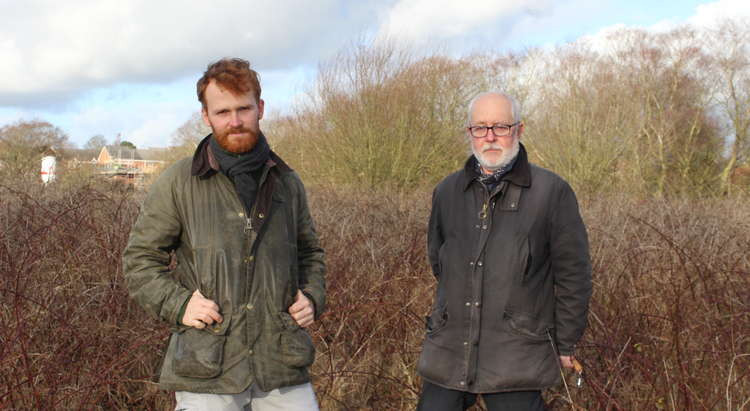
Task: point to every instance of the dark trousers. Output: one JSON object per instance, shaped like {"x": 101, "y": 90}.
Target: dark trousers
{"x": 436, "y": 398}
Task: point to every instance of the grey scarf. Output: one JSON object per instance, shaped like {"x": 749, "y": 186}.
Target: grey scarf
{"x": 243, "y": 169}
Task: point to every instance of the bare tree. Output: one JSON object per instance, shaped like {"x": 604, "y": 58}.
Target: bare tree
{"x": 96, "y": 142}
{"x": 675, "y": 133}
{"x": 22, "y": 144}
{"x": 578, "y": 123}
{"x": 380, "y": 116}
{"x": 633, "y": 114}
{"x": 729, "y": 46}
{"x": 186, "y": 138}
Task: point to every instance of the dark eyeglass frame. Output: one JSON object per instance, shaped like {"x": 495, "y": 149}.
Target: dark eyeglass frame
{"x": 475, "y": 130}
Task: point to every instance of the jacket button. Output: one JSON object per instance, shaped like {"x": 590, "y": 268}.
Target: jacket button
{"x": 241, "y": 214}
{"x": 466, "y": 343}
{"x": 249, "y": 306}
{"x": 477, "y": 303}
{"x": 249, "y": 259}
{"x": 484, "y": 227}
{"x": 462, "y": 383}
{"x": 250, "y": 351}
{"x": 468, "y": 304}
{"x": 479, "y": 263}
{"x": 471, "y": 262}
{"x": 260, "y": 215}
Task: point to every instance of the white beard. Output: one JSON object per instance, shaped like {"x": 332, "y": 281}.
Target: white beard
{"x": 505, "y": 158}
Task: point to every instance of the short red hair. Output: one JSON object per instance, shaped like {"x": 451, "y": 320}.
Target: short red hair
{"x": 233, "y": 74}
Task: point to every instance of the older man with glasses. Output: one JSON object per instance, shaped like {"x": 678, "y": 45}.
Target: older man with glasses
{"x": 510, "y": 253}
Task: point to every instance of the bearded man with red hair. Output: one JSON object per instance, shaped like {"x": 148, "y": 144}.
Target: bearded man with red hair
{"x": 249, "y": 276}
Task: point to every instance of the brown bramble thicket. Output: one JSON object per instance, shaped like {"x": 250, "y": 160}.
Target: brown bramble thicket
{"x": 669, "y": 322}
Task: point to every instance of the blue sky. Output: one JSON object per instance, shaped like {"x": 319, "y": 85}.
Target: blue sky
{"x": 108, "y": 67}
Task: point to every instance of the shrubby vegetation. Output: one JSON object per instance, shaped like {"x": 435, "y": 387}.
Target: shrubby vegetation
{"x": 647, "y": 114}
{"x": 668, "y": 326}
{"x": 637, "y": 123}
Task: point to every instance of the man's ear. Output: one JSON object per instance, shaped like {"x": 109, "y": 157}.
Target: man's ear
{"x": 520, "y": 129}
{"x": 261, "y": 104}
{"x": 204, "y": 116}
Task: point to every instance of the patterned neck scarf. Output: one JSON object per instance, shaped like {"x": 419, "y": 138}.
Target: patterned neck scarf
{"x": 492, "y": 180}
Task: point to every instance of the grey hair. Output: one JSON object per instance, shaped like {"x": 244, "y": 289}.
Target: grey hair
{"x": 515, "y": 106}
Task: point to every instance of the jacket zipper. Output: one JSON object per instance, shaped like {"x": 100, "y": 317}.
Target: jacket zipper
{"x": 483, "y": 213}
{"x": 249, "y": 218}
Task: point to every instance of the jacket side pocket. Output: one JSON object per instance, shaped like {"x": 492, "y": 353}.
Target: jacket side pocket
{"x": 200, "y": 353}
{"x": 526, "y": 326}
{"x": 437, "y": 320}
{"x": 296, "y": 348}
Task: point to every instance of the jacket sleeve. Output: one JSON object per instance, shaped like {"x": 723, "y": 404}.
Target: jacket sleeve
{"x": 434, "y": 235}
{"x": 146, "y": 257}
{"x": 310, "y": 256}
{"x": 571, "y": 266}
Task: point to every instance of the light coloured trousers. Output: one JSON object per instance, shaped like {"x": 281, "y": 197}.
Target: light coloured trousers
{"x": 294, "y": 398}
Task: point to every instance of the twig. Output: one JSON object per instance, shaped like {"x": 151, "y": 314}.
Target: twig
{"x": 729, "y": 380}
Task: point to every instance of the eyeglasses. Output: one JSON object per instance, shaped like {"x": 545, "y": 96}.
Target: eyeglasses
{"x": 499, "y": 130}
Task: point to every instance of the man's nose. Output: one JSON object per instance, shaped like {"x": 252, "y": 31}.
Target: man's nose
{"x": 490, "y": 136}
{"x": 235, "y": 120}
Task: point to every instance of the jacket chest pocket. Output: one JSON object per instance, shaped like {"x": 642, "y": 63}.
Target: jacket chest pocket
{"x": 200, "y": 353}
{"x": 525, "y": 260}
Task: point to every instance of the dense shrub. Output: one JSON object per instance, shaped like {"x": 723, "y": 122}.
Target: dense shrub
{"x": 70, "y": 336}
{"x": 669, "y": 324}
{"x": 670, "y": 315}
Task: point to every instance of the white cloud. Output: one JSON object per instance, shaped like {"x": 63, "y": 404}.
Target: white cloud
{"x": 709, "y": 13}
{"x": 58, "y": 48}
{"x": 421, "y": 21}
{"x": 706, "y": 16}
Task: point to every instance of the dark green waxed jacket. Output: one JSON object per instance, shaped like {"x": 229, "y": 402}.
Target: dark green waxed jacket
{"x": 251, "y": 266}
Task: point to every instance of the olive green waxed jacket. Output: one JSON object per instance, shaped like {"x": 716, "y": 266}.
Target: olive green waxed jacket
{"x": 251, "y": 266}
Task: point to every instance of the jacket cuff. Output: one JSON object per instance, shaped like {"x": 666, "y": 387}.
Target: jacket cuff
{"x": 181, "y": 313}
{"x": 176, "y": 305}
{"x": 312, "y": 300}
{"x": 563, "y": 350}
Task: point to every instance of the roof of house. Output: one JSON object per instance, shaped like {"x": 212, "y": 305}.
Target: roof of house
{"x": 81, "y": 154}
{"x": 157, "y": 153}
{"x": 123, "y": 152}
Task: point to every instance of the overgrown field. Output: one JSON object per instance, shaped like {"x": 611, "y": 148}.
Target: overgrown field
{"x": 669, "y": 324}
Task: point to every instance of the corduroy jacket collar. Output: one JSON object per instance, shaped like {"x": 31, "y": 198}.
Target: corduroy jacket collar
{"x": 205, "y": 164}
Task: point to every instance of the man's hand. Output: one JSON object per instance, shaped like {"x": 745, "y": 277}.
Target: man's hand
{"x": 200, "y": 311}
{"x": 567, "y": 361}
{"x": 302, "y": 310}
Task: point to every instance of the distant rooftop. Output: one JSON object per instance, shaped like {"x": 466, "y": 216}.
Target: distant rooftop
{"x": 123, "y": 152}
{"x": 81, "y": 154}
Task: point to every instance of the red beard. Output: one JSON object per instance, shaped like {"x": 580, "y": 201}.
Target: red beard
{"x": 235, "y": 145}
